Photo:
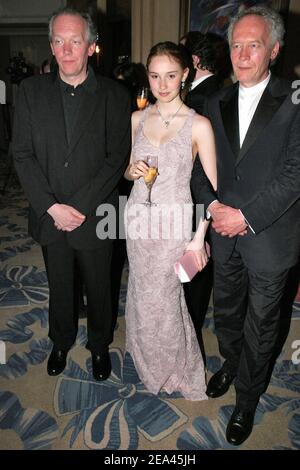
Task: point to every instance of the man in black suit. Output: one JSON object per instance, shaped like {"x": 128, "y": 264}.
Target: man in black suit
{"x": 256, "y": 224}
{"x": 206, "y": 82}
{"x": 71, "y": 142}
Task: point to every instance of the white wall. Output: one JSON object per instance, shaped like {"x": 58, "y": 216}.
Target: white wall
{"x": 153, "y": 21}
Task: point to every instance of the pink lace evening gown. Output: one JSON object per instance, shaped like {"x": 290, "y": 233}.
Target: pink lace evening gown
{"x": 160, "y": 336}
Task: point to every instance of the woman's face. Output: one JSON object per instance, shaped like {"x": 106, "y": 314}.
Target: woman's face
{"x": 165, "y": 76}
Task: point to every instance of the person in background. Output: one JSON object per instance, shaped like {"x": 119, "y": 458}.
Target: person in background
{"x": 206, "y": 81}
{"x": 45, "y": 66}
{"x": 256, "y": 212}
{"x": 48, "y": 65}
{"x": 133, "y": 76}
{"x": 69, "y": 161}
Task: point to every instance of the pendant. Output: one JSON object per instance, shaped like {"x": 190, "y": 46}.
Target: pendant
{"x": 167, "y": 123}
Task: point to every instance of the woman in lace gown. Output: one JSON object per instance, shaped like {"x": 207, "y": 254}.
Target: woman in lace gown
{"x": 159, "y": 332}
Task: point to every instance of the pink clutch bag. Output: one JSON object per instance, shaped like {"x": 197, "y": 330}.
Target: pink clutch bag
{"x": 186, "y": 267}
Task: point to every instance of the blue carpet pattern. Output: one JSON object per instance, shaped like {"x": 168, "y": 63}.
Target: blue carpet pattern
{"x": 73, "y": 411}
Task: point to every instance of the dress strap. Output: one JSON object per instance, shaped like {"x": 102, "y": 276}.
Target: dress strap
{"x": 191, "y": 113}
{"x": 143, "y": 118}
{"x": 189, "y": 119}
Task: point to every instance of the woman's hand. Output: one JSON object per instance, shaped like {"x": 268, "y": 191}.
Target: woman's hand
{"x": 200, "y": 253}
{"x": 137, "y": 170}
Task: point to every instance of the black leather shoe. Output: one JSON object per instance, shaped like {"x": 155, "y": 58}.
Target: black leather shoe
{"x": 57, "y": 361}
{"x": 219, "y": 384}
{"x": 101, "y": 366}
{"x": 240, "y": 426}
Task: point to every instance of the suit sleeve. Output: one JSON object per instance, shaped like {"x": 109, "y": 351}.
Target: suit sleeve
{"x": 195, "y": 102}
{"x": 202, "y": 189}
{"x": 118, "y": 140}
{"x": 32, "y": 178}
{"x": 283, "y": 191}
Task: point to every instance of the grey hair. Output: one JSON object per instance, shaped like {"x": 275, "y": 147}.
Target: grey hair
{"x": 272, "y": 18}
{"x": 90, "y": 27}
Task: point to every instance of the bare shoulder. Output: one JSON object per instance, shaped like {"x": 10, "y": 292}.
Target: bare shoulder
{"x": 201, "y": 121}
{"x": 201, "y": 124}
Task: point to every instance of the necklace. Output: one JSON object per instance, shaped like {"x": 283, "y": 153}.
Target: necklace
{"x": 170, "y": 118}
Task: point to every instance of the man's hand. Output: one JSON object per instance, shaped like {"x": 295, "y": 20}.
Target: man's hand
{"x": 227, "y": 221}
{"x": 65, "y": 217}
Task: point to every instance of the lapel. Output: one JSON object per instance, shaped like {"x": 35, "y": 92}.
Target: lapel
{"x": 86, "y": 111}
{"x": 269, "y": 103}
{"x": 230, "y": 116}
{"x": 271, "y": 100}
{"x": 56, "y": 114}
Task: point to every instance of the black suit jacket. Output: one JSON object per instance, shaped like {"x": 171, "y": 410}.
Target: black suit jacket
{"x": 196, "y": 98}
{"x": 83, "y": 174}
{"x": 262, "y": 178}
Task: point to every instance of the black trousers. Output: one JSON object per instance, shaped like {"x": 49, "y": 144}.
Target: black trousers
{"x": 198, "y": 291}
{"x": 62, "y": 263}
{"x": 197, "y": 295}
{"x": 247, "y": 319}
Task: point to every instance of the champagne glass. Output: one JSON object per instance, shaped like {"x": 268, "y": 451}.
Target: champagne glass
{"x": 150, "y": 177}
{"x": 142, "y": 98}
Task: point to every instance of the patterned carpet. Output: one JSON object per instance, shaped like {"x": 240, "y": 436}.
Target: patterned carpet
{"x": 73, "y": 411}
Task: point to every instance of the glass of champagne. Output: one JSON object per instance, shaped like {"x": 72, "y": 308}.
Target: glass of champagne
{"x": 150, "y": 177}
{"x": 142, "y": 98}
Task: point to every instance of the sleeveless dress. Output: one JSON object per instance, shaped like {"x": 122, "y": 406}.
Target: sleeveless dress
{"x": 160, "y": 335}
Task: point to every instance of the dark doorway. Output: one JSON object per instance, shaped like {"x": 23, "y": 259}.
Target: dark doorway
{"x": 114, "y": 35}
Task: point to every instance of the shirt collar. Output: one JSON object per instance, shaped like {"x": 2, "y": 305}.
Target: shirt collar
{"x": 89, "y": 84}
{"x": 200, "y": 80}
{"x": 256, "y": 89}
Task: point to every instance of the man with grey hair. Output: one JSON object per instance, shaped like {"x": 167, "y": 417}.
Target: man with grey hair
{"x": 255, "y": 213}
{"x": 71, "y": 142}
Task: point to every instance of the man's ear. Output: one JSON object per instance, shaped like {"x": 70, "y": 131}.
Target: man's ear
{"x": 91, "y": 49}
{"x": 196, "y": 61}
{"x": 185, "y": 74}
{"x": 275, "y": 51}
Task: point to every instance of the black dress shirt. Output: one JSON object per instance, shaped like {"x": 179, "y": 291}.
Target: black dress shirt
{"x": 72, "y": 98}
